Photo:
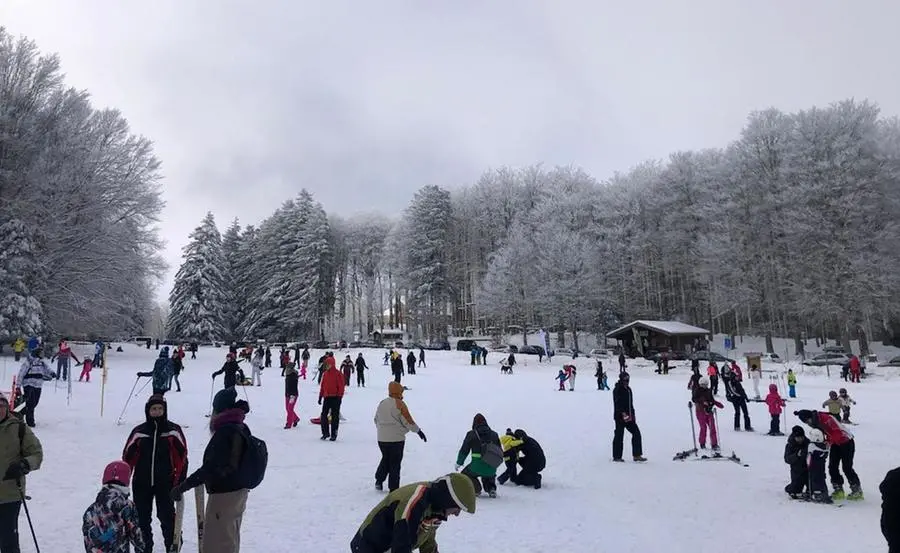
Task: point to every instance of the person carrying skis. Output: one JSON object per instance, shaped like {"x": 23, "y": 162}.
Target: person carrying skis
{"x": 110, "y": 523}
{"x": 737, "y": 396}
{"x": 62, "y": 356}
{"x": 20, "y": 453}
{"x": 792, "y": 383}
{"x": 232, "y": 372}
{"x": 408, "y": 518}
{"x": 795, "y": 455}
{"x": 623, "y": 415}
{"x": 704, "y": 408}
{"x": 256, "y": 367}
{"x": 161, "y": 373}
{"x": 411, "y": 363}
{"x": 846, "y": 403}
{"x": 775, "y": 404}
{"x": 360, "y": 371}
{"x": 487, "y": 454}
{"x": 890, "y": 509}
{"x": 331, "y": 393}
{"x": 843, "y": 450}
{"x": 291, "y": 393}
{"x": 347, "y": 369}
{"x": 157, "y": 453}
{"x": 31, "y": 378}
{"x": 393, "y": 422}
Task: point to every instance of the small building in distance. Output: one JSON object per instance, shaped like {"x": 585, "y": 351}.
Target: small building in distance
{"x": 642, "y": 338}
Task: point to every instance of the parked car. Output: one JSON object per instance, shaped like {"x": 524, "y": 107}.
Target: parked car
{"x": 710, "y": 356}
{"x": 532, "y": 350}
{"x": 772, "y": 358}
{"x": 893, "y": 362}
{"x": 600, "y": 353}
{"x": 834, "y": 349}
{"x": 564, "y": 351}
{"x": 824, "y": 359}
{"x": 465, "y": 345}
{"x": 656, "y": 356}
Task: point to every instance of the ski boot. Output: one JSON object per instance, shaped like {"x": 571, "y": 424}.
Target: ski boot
{"x": 749, "y": 429}
{"x": 618, "y": 460}
{"x": 838, "y": 494}
{"x": 492, "y": 494}
{"x": 856, "y": 494}
{"x": 379, "y": 486}
{"x": 820, "y": 497}
{"x": 802, "y": 496}
{"x": 537, "y": 484}
{"x": 640, "y": 459}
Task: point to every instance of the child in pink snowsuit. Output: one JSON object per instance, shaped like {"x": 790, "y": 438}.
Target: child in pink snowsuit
{"x": 303, "y": 370}
{"x": 290, "y": 395}
{"x": 775, "y": 403}
{"x": 86, "y": 367}
{"x": 704, "y": 403}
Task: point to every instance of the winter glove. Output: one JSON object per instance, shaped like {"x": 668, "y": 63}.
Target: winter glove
{"x": 177, "y": 493}
{"x": 320, "y": 401}
{"x": 422, "y": 435}
{"x": 16, "y": 470}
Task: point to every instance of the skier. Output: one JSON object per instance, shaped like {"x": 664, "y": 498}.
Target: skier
{"x": 331, "y": 393}
{"x": 221, "y": 474}
{"x": 87, "y": 364}
{"x": 532, "y": 460}
{"x": 562, "y": 380}
{"x": 110, "y": 523}
{"x": 795, "y": 454}
{"x": 20, "y": 453}
{"x": 833, "y": 404}
{"x": 360, "y": 371}
{"x": 409, "y": 517}
{"x": 422, "y": 357}
{"x": 177, "y": 367}
{"x": 846, "y": 403}
{"x": 156, "y": 451}
{"x": 792, "y": 383}
{"x": 256, "y": 367}
{"x": 487, "y": 455}
{"x": 843, "y": 450}
{"x": 890, "y": 509}
{"x": 392, "y": 422}
{"x": 704, "y": 409}
{"x": 161, "y": 373}
{"x": 854, "y": 368}
{"x": 31, "y": 378}
{"x": 62, "y": 356}
{"x": 737, "y": 396}
{"x": 818, "y": 453}
{"x": 232, "y": 372}
{"x": 291, "y": 393}
{"x": 755, "y": 376}
{"x": 775, "y": 404}
{"x": 623, "y": 415}
{"x": 411, "y": 363}
{"x": 347, "y": 369}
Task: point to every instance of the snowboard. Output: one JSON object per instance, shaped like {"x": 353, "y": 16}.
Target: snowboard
{"x": 177, "y": 538}
{"x": 200, "y": 503}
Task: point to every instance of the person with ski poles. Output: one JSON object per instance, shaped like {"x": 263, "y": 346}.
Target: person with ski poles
{"x": 20, "y": 454}
{"x": 31, "y": 378}
{"x": 231, "y": 370}
{"x": 161, "y": 373}
{"x": 704, "y": 408}
{"x": 62, "y": 356}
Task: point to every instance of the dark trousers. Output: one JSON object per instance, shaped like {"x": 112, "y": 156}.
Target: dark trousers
{"x": 17, "y": 356}
{"x": 530, "y": 475}
{"x": 32, "y": 398}
{"x": 619, "y": 438}
{"x": 842, "y": 456}
{"x": 331, "y": 405}
{"x": 775, "y": 424}
{"x": 714, "y": 384}
{"x": 9, "y": 527}
{"x": 799, "y": 478}
{"x": 740, "y": 407}
{"x": 144, "y": 498}
{"x": 389, "y": 466}
{"x": 360, "y": 378}
{"x": 411, "y": 368}
{"x": 62, "y": 368}
{"x": 358, "y": 545}
{"x": 817, "y": 475}
{"x": 511, "y": 472}
{"x": 488, "y": 483}
{"x": 397, "y": 377}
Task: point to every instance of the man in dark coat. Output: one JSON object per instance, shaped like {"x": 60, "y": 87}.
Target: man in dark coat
{"x": 623, "y": 415}
{"x": 532, "y": 461}
{"x": 360, "y": 371}
{"x": 232, "y": 372}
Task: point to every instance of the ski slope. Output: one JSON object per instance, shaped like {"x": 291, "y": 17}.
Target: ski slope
{"x": 316, "y": 493}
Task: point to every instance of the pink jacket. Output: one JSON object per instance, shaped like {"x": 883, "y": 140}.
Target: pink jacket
{"x": 774, "y": 401}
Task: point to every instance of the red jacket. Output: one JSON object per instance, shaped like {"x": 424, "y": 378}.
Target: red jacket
{"x": 854, "y": 364}
{"x": 332, "y": 381}
{"x": 774, "y": 401}
{"x": 834, "y": 432}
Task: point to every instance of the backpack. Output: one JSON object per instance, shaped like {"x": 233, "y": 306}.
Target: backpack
{"x": 492, "y": 454}
{"x": 252, "y": 469}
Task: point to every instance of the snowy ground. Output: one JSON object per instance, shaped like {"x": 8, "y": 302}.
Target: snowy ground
{"x": 316, "y": 493}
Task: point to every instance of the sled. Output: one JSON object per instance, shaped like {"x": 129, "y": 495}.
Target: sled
{"x": 318, "y": 420}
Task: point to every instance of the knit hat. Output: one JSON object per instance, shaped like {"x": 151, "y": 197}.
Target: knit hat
{"x": 797, "y": 431}
{"x": 224, "y": 400}
{"x": 479, "y": 420}
{"x": 117, "y": 472}
{"x": 805, "y": 415}
{"x": 461, "y": 491}
{"x": 156, "y": 399}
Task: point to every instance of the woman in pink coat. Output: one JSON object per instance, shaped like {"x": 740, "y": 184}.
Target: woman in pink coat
{"x": 704, "y": 405}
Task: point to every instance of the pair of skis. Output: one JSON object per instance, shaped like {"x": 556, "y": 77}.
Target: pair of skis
{"x": 694, "y": 452}
{"x": 200, "y": 502}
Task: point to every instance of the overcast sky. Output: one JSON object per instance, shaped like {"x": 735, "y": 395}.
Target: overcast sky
{"x": 363, "y": 102}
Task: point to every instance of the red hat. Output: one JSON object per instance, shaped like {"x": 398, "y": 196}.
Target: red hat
{"x": 117, "y": 472}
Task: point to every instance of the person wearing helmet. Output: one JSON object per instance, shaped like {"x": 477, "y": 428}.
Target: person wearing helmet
{"x": 796, "y": 452}
{"x": 704, "y": 405}
{"x": 846, "y": 403}
{"x": 833, "y": 404}
{"x": 842, "y": 450}
{"x": 20, "y": 453}
{"x": 409, "y": 517}
{"x": 110, "y": 523}
{"x": 818, "y": 453}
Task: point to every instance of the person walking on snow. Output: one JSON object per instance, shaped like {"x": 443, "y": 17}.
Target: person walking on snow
{"x": 304, "y": 365}
{"x": 713, "y": 372}
{"x": 20, "y": 453}
{"x": 161, "y": 373}
{"x": 792, "y": 383}
{"x": 268, "y": 357}
{"x": 177, "y": 367}
{"x": 31, "y": 378}
{"x": 601, "y": 377}
{"x": 855, "y": 369}
{"x": 843, "y": 450}
{"x": 231, "y": 370}
{"x": 331, "y": 393}
{"x": 157, "y": 453}
{"x": 397, "y": 366}
{"x": 571, "y": 372}
{"x": 411, "y": 363}
{"x": 360, "y": 371}
{"x": 776, "y": 404}
{"x": 562, "y": 380}
{"x": 422, "y": 357}
{"x": 256, "y": 367}
{"x": 347, "y": 369}
{"x": 487, "y": 454}
{"x": 62, "y": 356}
{"x": 87, "y": 365}
{"x": 110, "y": 523}
{"x": 735, "y": 394}
{"x": 392, "y": 423}
{"x": 623, "y": 415}
{"x": 291, "y": 393}
{"x": 704, "y": 409}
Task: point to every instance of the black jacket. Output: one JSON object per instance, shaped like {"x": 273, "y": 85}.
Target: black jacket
{"x": 397, "y": 365}
{"x": 623, "y": 402}
{"x": 231, "y": 369}
{"x": 890, "y": 509}
{"x": 177, "y": 364}
{"x": 734, "y": 390}
{"x": 221, "y": 461}
{"x": 291, "y": 381}
{"x": 533, "y": 454}
{"x": 157, "y": 453}
{"x": 360, "y": 364}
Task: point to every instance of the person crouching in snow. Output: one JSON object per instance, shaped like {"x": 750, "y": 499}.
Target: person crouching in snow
{"x": 110, "y": 524}
{"x": 562, "y": 380}
{"x": 291, "y": 392}
{"x": 487, "y": 455}
{"x": 409, "y": 517}
{"x": 818, "y": 453}
{"x": 392, "y": 423}
{"x": 842, "y": 451}
{"x": 775, "y": 403}
{"x": 846, "y": 403}
{"x": 795, "y": 455}
{"x": 704, "y": 407}
{"x": 511, "y": 446}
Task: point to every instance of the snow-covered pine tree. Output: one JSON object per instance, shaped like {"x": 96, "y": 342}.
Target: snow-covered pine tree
{"x": 231, "y": 242}
{"x": 197, "y": 300}
{"x": 248, "y": 290}
{"x": 20, "y": 311}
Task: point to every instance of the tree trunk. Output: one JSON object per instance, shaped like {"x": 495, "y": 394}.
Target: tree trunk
{"x": 769, "y": 347}
{"x": 845, "y": 337}
{"x": 561, "y": 336}
{"x": 575, "y": 337}
{"x": 799, "y": 347}
{"x": 863, "y": 341}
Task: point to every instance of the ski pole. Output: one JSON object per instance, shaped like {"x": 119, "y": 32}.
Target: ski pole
{"x": 28, "y": 515}
{"x": 136, "y": 394}
{"x": 212, "y": 388}
{"x": 693, "y": 431}
{"x": 716, "y": 420}
{"x": 127, "y": 401}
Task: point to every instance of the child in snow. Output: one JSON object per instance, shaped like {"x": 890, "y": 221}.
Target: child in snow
{"x": 256, "y": 366}
{"x": 86, "y": 366}
{"x": 704, "y": 408}
{"x": 833, "y": 404}
{"x": 570, "y": 376}
{"x": 775, "y": 403}
{"x": 792, "y": 383}
{"x": 511, "y": 446}
{"x": 110, "y": 524}
{"x": 846, "y": 402}
{"x": 601, "y": 377}
{"x": 291, "y": 385}
{"x": 818, "y": 454}
{"x": 562, "y": 379}
{"x": 795, "y": 453}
